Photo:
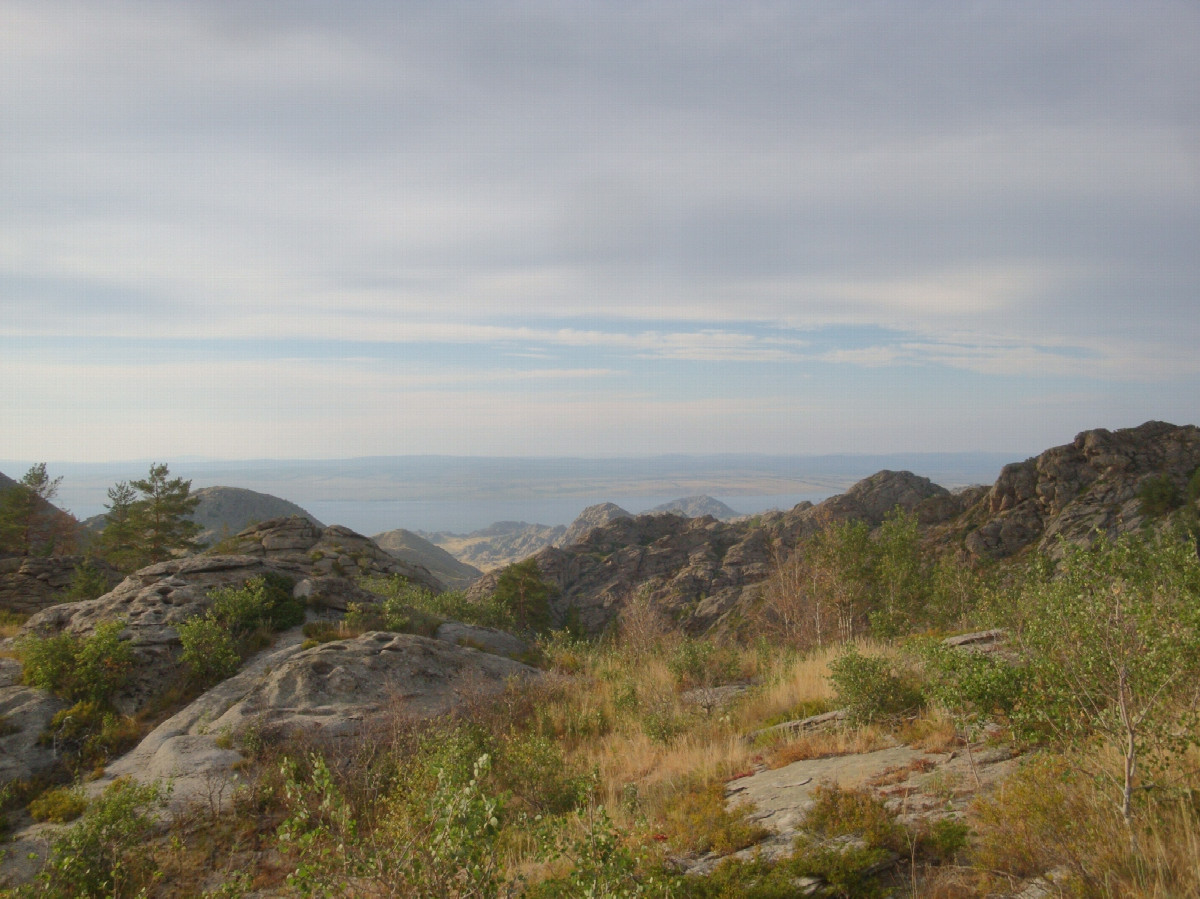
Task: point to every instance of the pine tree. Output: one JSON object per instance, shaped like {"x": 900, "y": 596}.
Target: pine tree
{"x": 28, "y": 522}
{"x": 118, "y": 542}
{"x": 154, "y": 526}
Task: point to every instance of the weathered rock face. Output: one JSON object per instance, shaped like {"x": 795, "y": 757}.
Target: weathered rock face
{"x": 333, "y": 690}
{"x": 24, "y": 713}
{"x": 698, "y": 507}
{"x": 588, "y": 520}
{"x": 154, "y": 601}
{"x": 697, "y": 570}
{"x": 1088, "y": 484}
{"x": 29, "y": 584}
{"x": 334, "y": 550}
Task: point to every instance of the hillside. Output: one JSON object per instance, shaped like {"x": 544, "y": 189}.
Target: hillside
{"x": 410, "y": 547}
{"x": 698, "y": 570}
{"x": 224, "y": 511}
{"x": 399, "y": 742}
{"x": 704, "y": 573}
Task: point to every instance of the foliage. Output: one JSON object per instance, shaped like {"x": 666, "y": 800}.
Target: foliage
{"x": 118, "y": 543}
{"x": 972, "y": 684}
{"x": 58, "y": 806}
{"x": 105, "y": 853}
{"x": 87, "y": 582}
{"x": 839, "y": 812}
{"x": 209, "y": 650}
{"x": 870, "y": 689}
{"x": 701, "y": 663}
{"x": 440, "y": 843}
{"x": 215, "y": 643}
{"x": 411, "y": 608}
{"x": 149, "y": 520}
{"x": 29, "y": 525}
{"x": 698, "y": 821}
{"x": 89, "y": 733}
{"x": 601, "y": 864}
{"x": 1159, "y": 495}
{"x": 1110, "y": 637}
{"x": 845, "y": 580}
{"x": 78, "y": 668}
{"x": 521, "y": 590}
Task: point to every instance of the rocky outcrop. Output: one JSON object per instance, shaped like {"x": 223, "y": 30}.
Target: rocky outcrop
{"x": 24, "y": 713}
{"x": 698, "y": 571}
{"x": 335, "y": 550}
{"x": 588, "y": 520}
{"x": 1073, "y": 490}
{"x": 154, "y": 601}
{"x": 414, "y": 549}
{"x": 30, "y": 584}
{"x": 331, "y": 691}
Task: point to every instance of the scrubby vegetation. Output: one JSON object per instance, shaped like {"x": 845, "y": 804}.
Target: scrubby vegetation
{"x": 608, "y": 776}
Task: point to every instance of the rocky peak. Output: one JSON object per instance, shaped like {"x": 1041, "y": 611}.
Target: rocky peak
{"x": 333, "y": 550}
{"x": 1072, "y": 490}
{"x": 589, "y": 519}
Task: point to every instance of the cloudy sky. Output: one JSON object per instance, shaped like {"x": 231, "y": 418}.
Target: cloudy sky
{"x": 263, "y": 229}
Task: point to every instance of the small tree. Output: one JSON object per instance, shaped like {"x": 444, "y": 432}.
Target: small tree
{"x": 149, "y": 520}
{"x": 118, "y": 543}
{"x": 161, "y": 516}
{"x": 28, "y": 522}
{"x": 1111, "y": 638}
{"x": 521, "y": 590}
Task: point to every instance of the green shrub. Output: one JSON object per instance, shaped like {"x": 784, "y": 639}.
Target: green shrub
{"x": 78, "y": 668}
{"x": 106, "y": 852}
{"x": 972, "y": 683}
{"x": 701, "y": 663}
{"x": 209, "y": 650}
{"x": 698, "y": 821}
{"x": 89, "y": 733}
{"x": 1159, "y": 495}
{"x": 869, "y": 689}
{"x": 58, "y": 806}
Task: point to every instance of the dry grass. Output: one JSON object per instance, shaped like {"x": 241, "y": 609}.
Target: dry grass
{"x": 931, "y": 731}
{"x": 828, "y": 743}
{"x": 1052, "y": 817}
{"x": 10, "y": 624}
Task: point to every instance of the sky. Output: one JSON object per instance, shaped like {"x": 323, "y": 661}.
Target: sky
{"x": 317, "y": 230}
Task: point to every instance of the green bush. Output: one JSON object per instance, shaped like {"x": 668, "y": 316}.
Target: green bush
{"x": 869, "y": 689}
{"x": 839, "y": 812}
{"x": 58, "y": 806}
{"x": 209, "y": 650}
{"x": 1159, "y": 495}
{"x": 972, "y": 683}
{"x": 78, "y": 668}
{"x": 89, "y": 733}
{"x": 106, "y": 852}
{"x": 701, "y": 663}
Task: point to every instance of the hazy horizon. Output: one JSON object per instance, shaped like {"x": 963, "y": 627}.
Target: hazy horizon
{"x": 455, "y": 493}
